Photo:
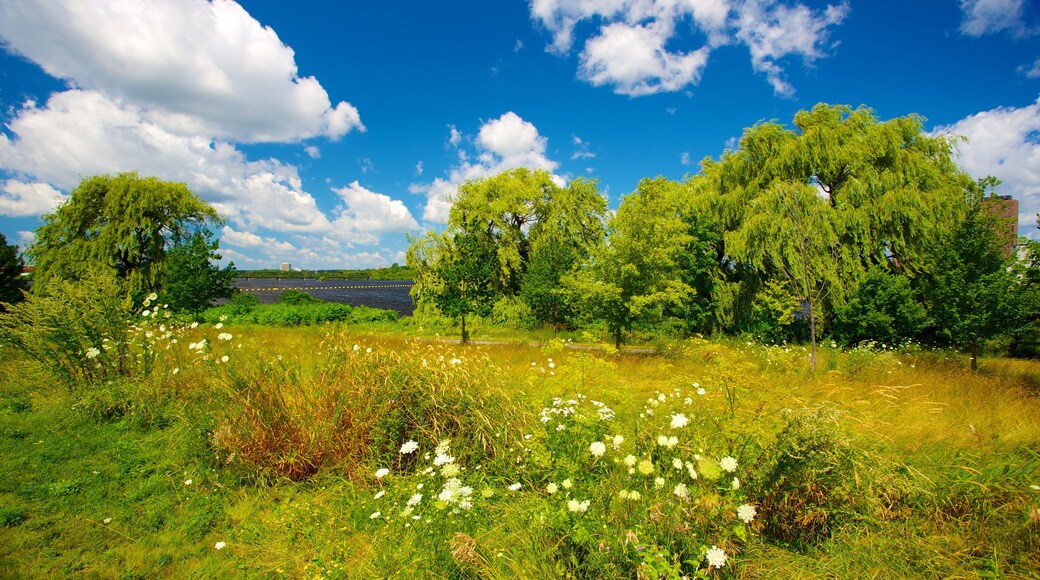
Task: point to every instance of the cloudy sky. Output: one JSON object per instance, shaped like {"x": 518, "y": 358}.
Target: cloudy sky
{"x": 325, "y": 132}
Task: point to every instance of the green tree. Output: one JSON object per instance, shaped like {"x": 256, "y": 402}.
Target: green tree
{"x": 883, "y": 308}
{"x": 968, "y": 286}
{"x": 455, "y": 272}
{"x": 12, "y": 283}
{"x": 634, "y": 275}
{"x": 124, "y": 223}
{"x": 790, "y": 231}
{"x": 193, "y": 280}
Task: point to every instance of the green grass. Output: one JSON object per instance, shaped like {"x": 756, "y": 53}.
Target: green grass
{"x": 937, "y": 465}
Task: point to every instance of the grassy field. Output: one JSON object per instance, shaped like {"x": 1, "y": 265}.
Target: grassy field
{"x": 285, "y": 459}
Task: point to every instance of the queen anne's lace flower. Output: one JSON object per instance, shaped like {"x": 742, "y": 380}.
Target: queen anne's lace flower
{"x": 746, "y": 513}
{"x": 716, "y": 557}
{"x": 597, "y": 448}
{"x": 409, "y": 447}
{"x": 679, "y": 421}
{"x": 381, "y": 473}
{"x": 728, "y": 464}
{"x": 578, "y": 506}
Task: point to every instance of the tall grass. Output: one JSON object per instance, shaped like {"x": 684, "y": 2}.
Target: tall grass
{"x": 890, "y": 464}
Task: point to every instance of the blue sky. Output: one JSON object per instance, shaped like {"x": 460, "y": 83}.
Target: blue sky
{"x": 326, "y": 132}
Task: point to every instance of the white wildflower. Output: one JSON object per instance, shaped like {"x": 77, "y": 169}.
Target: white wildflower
{"x": 515, "y": 487}
{"x": 679, "y": 421}
{"x": 375, "y": 515}
{"x": 409, "y": 447}
{"x": 746, "y": 513}
{"x": 224, "y": 336}
{"x": 414, "y": 500}
{"x": 552, "y": 488}
{"x": 220, "y": 545}
{"x": 597, "y": 448}
{"x": 681, "y": 491}
{"x": 716, "y": 557}
{"x": 728, "y": 464}
{"x": 618, "y": 440}
{"x": 381, "y": 493}
{"x": 578, "y": 506}
{"x": 92, "y": 352}
{"x": 382, "y": 472}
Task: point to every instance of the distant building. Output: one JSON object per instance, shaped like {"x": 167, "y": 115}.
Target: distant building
{"x": 1005, "y": 208}
{"x": 286, "y": 266}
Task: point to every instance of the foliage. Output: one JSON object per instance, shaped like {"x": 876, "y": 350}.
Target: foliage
{"x": 457, "y": 274}
{"x": 193, "y": 281}
{"x": 1025, "y": 300}
{"x": 632, "y": 277}
{"x": 302, "y": 313}
{"x": 123, "y": 223}
{"x": 968, "y": 287}
{"x": 76, "y": 329}
{"x": 297, "y": 297}
{"x": 12, "y": 283}
{"x": 884, "y": 308}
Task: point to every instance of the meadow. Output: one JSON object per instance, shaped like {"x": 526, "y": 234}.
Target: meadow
{"x": 340, "y": 451}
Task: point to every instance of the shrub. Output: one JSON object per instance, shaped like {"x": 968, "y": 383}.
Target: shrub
{"x": 883, "y": 309}
{"x": 356, "y": 409}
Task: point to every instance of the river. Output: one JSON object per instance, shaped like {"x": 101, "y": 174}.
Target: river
{"x": 389, "y": 294}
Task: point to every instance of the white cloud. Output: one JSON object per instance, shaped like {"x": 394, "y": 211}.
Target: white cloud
{"x": 772, "y": 32}
{"x": 19, "y": 199}
{"x": 505, "y": 143}
{"x": 991, "y": 16}
{"x": 271, "y": 246}
{"x": 91, "y": 135}
{"x": 365, "y": 214}
{"x": 418, "y": 168}
{"x": 1031, "y": 71}
{"x": 26, "y": 238}
{"x": 192, "y": 67}
{"x": 455, "y": 137}
{"x": 684, "y": 158}
{"x": 312, "y": 151}
{"x": 1005, "y": 143}
{"x": 628, "y": 50}
{"x": 633, "y": 59}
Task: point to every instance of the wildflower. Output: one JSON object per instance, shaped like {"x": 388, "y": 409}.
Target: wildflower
{"x": 566, "y": 483}
{"x": 552, "y": 365}
{"x": 449, "y": 470}
{"x": 146, "y": 313}
{"x": 442, "y": 447}
{"x": 681, "y": 491}
{"x": 746, "y": 513}
{"x": 442, "y": 458}
{"x": 176, "y": 370}
{"x": 736, "y": 484}
{"x": 218, "y": 325}
{"x": 578, "y": 506}
{"x": 701, "y": 391}
{"x": 618, "y": 440}
{"x": 382, "y": 472}
{"x": 220, "y": 545}
{"x": 194, "y": 325}
{"x": 414, "y": 500}
{"x": 659, "y": 482}
{"x": 597, "y": 448}
{"x": 381, "y": 493}
{"x": 661, "y": 397}
{"x": 107, "y": 520}
{"x": 92, "y": 352}
{"x": 679, "y": 421}
{"x": 646, "y": 467}
{"x": 728, "y": 464}
{"x": 623, "y": 494}
{"x": 409, "y": 447}
{"x": 368, "y": 350}
{"x": 677, "y": 463}
{"x": 634, "y": 495}
{"x": 375, "y": 515}
{"x": 552, "y": 488}
{"x": 188, "y": 482}
{"x": 515, "y": 487}
{"x": 665, "y": 441}
{"x": 224, "y": 336}
{"x": 356, "y": 348}
{"x": 716, "y": 557}
{"x": 691, "y": 470}
{"x": 630, "y": 460}
{"x": 224, "y": 358}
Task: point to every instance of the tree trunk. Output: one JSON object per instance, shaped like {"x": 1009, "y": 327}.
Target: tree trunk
{"x": 465, "y": 336}
{"x": 812, "y": 337}
{"x": 617, "y": 339}
{"x": 974, "y": 357}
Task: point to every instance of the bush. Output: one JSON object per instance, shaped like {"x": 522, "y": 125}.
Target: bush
{"x": 304, "y": 312}
{"x": 883, "y": 310}
{"x": 806, "y": 481}
{"x": 356, "y": 410}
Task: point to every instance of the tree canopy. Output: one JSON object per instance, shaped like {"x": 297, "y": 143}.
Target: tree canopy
{"x": 12, "y": 283}
{"x": 125, "y": 223}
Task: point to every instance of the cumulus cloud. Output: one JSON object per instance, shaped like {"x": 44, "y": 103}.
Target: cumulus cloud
{"x": 366, "y": 214}
{"x": 1031, "y": 71}
{"x": 505, "y": 143}
{"x": 992, "y": 16}
{"x": 18, "y": 199}
{"x": 629, "y": 50}
{"x": 1004, "y": 142}
{"x": 312, "y": 151}
{"x": 193, "y": 67}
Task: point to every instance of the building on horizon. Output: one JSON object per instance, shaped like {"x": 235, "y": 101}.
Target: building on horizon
{"x": 1005, "y": 208}
{"x": 285, "y": 267}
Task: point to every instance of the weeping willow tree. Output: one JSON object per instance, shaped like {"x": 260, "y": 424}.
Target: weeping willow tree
{"x": 840, "y": 192}
{"x": 121, "y": 223}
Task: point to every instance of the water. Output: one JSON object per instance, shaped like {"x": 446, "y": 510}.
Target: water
{"x": 389, "y": 294}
